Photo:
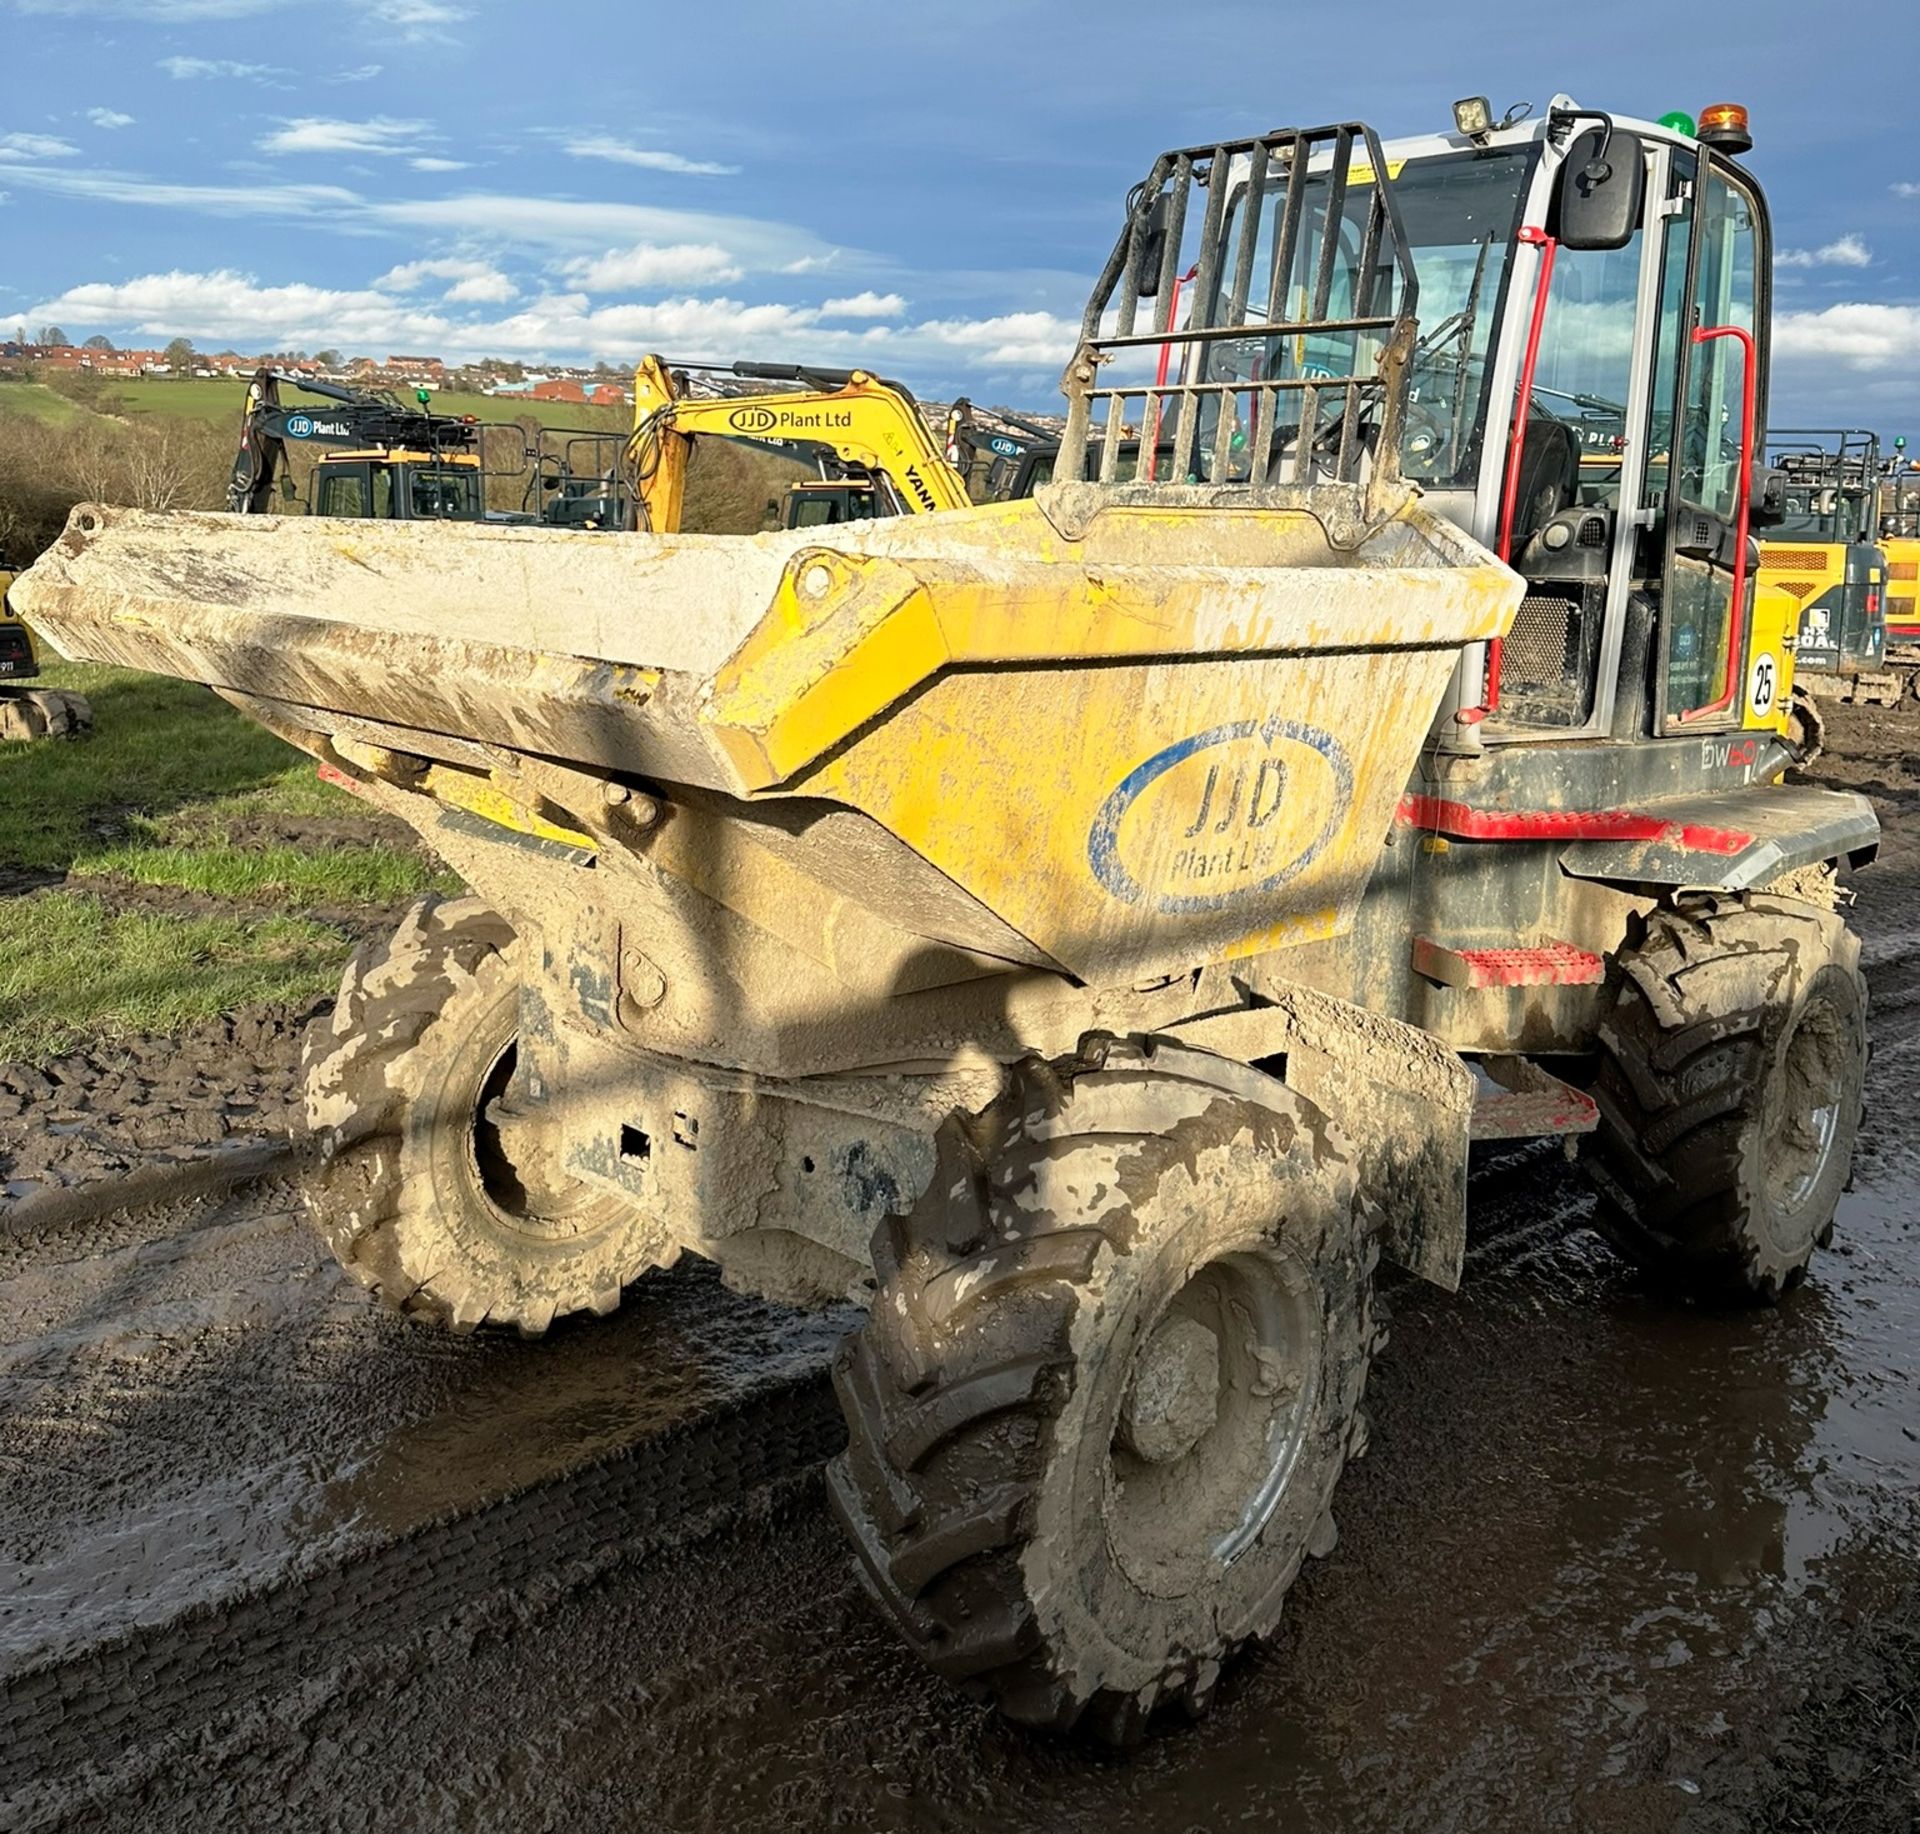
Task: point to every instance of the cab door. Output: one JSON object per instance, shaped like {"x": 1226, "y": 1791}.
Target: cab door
{"x": 1717, "y": 424}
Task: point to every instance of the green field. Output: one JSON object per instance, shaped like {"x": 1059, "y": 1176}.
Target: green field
{"x": 33, "y": 402}
{"x": 203, "y": 398}
{"x": 174, "y": 792}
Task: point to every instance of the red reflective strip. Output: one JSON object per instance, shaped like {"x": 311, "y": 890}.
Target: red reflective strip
{"x": 332, "y": 773}
{"x": 1737, "y": 635}
{"x": 1437, "y": 815}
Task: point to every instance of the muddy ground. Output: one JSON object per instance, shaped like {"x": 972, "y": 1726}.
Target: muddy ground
{"x": 128, "y": 1102}
{"x": 1611, "y": 1563}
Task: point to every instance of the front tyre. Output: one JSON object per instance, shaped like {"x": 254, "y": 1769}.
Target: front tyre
{"x": 1108, "y": 1383}
{"x": 428, "y": 1184}
{"x": 1730, "y": 1089}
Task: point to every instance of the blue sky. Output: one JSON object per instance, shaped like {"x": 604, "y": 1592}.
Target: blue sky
{"x": 924, "y": 190}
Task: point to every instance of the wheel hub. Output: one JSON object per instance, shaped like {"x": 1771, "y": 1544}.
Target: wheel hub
{"x": 1174, "y": 1396}
{"x": 1801, "y": 1110}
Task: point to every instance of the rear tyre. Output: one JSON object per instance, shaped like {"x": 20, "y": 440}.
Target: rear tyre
{"x": 1732, "y": 1068}
{"x": 427, "y": 1185}
{"x": 1109, "y": 1381}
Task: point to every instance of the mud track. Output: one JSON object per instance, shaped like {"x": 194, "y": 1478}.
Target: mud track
{"x": 268, "y": 1555}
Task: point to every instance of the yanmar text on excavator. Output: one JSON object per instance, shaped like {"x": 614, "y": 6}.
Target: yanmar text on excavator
{"x": 1089, "y": 931}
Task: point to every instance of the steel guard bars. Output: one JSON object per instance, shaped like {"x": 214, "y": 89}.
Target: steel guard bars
{"x": 1252, "y": 179}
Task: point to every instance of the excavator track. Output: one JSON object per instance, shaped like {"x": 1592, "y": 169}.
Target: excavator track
{"x": 43, "y": 713}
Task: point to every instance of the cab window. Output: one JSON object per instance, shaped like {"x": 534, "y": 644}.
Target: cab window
{"x": 1704, "y": 494}
{"x": 1586, "y": 360}
{"x": 443, "y": 494}
{"x": 343, "y": 490}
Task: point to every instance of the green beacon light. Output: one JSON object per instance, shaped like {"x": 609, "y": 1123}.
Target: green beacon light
{"x": 420, "y": 395}
{"x": 1678, "y": 121}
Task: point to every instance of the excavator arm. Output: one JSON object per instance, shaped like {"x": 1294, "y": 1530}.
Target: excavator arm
{"x": 352, "y": 418}
{"x": 869, "y": 424}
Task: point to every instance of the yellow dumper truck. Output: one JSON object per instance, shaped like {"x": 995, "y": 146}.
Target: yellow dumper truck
{"x": 1089, "y": 931}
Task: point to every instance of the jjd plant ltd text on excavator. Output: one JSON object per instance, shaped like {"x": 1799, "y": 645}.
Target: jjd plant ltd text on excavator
{"x": 1088, "y": 931}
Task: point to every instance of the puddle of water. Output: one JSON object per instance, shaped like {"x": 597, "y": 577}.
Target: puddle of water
{"x": 221, "y": 1411}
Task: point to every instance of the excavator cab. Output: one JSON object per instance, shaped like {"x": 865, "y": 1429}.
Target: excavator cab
{"x": 814, "y": 504}
{"x": 1825, "y": 556}
{"x": 398, "y": 486}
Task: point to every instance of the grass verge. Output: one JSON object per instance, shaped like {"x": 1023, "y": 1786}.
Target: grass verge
{"x": 76, "y": 972}
{"x": 177, "y": 792}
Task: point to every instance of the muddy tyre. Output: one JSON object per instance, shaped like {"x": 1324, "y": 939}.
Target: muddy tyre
{"x": 1109, "y": 1381}
{"x": 414, "y": 1180}
{"x": 1730, "y": 1085}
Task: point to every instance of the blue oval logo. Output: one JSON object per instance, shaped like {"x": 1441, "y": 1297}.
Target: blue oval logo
{"x": 1230, "y": 813}
{"x": 299, "y": 426}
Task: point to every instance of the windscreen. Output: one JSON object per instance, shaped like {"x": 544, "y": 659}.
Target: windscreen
{"x": 1459, "y": 212}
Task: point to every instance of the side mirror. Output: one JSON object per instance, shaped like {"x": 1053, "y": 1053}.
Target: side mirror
{"x": 1600, "y": 190}
{"x": 1150, "y": 248}
{"x": 1766, "y": 496}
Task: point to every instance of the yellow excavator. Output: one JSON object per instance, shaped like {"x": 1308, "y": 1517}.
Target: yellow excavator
{"x": 887, "y": 458}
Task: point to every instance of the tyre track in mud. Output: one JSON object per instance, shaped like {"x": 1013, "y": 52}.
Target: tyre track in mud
{"x": 105, "y": 1655}
{"x": 153, "y": 1684}
{"x": 178, "y": 1676}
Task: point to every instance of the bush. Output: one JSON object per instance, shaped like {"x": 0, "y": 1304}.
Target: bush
{"x": 46, "y": 468}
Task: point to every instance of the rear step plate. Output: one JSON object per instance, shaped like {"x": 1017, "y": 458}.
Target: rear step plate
{"x": 1521, "y": 1101}
{"x": 1550, "y": 964}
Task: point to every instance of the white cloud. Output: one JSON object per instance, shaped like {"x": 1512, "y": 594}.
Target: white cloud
{"x": 865, "y": 305}
{"x": 414, "y": 20}
{"x": 318, "y": 134}
{"x": 533, "y": 223}
{"x": 646, "y": 265}
{"x": 1862, "y": 336}
{"x": 1905, "y": 188}
{"x": 490, "y": 288}
{"x": 190, "y": 69}
{"x": 604, "y": 146}
{"x": 363, "y": 73}
{"x": 109, "y": 117}
{"x": 35, "y": 146}
{"x": 1014, "y": 340}
{"x": 475, "y": 282}
{"x": 427, "y": 162}
{"x": 231, "y": 307}
{"x": 1843, "y": 251}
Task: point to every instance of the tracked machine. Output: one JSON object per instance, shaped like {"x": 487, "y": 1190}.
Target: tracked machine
{"x": 1824, "y": 553}
{"x": 28, "y": 712}
{"x": 1088, "y": 932}
{"x": 383, "y": 459}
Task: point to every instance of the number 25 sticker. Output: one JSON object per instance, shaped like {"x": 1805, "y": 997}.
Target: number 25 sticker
{"x": 1761, "y": 687}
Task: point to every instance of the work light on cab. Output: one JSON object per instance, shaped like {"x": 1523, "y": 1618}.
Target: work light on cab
{"x": 1473, "y": 116}
{"x": 1724, "y": 125}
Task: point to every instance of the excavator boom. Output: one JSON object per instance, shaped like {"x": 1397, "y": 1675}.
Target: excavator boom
{"x": 872, "y": 426}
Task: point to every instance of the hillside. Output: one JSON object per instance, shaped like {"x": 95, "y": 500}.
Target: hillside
{"x": 166, "y": 444}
